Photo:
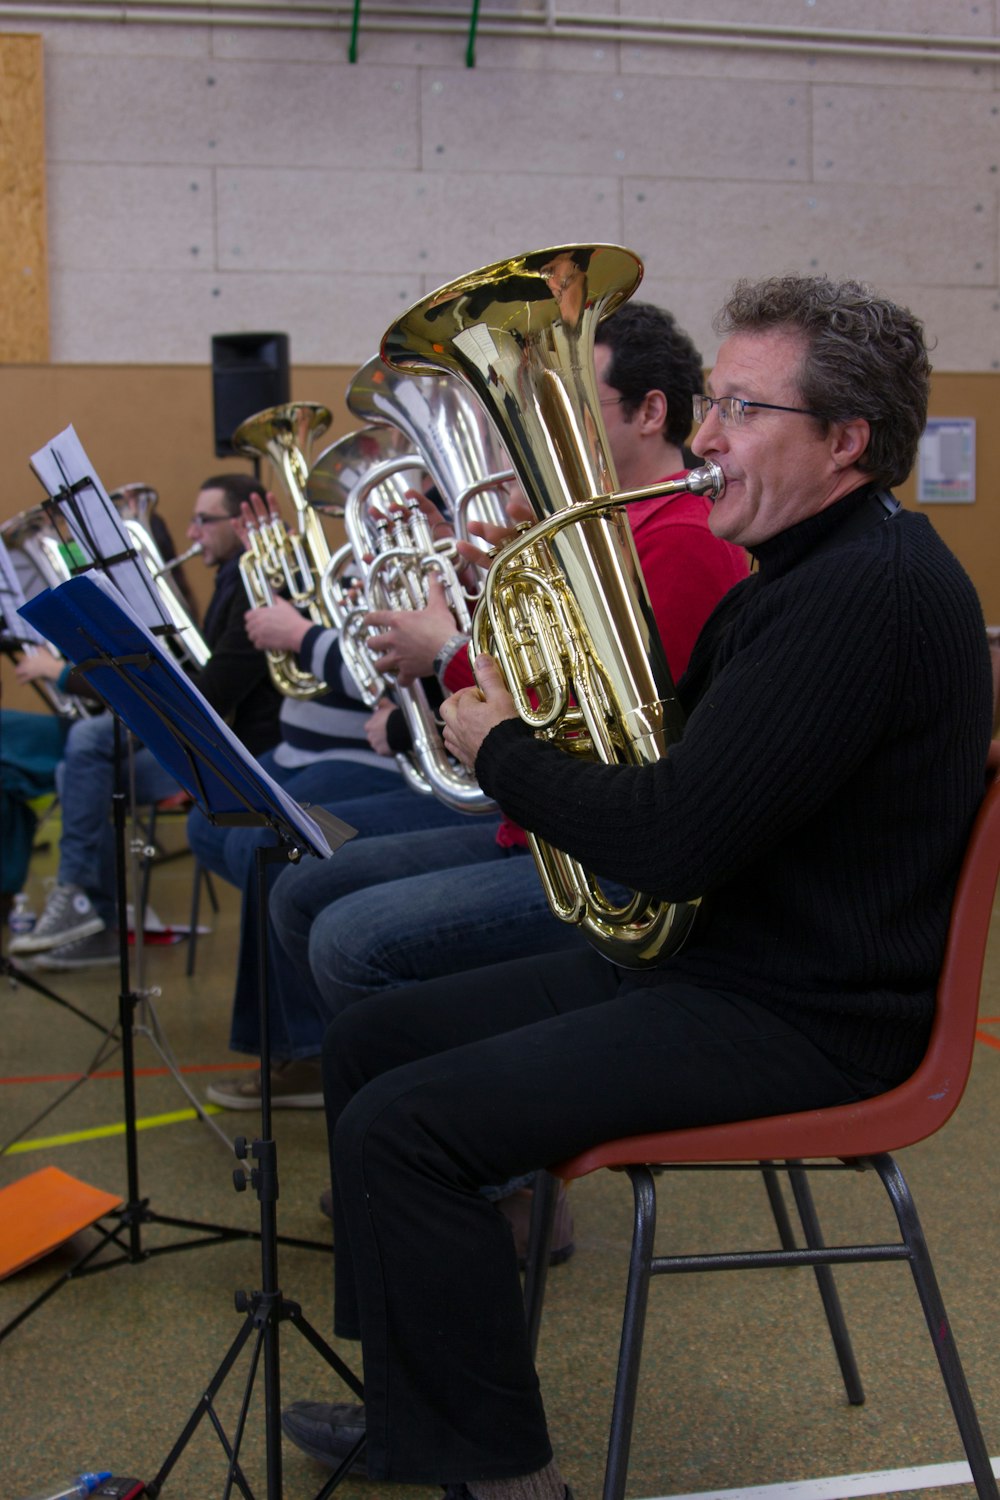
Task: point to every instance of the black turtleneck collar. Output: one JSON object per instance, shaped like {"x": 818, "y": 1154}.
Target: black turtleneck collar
{"x": 786, "y": 550}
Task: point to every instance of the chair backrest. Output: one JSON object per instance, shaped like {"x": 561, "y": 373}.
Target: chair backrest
{"x": 904, "y": 1115}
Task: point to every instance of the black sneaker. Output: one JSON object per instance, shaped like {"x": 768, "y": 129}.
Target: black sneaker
{"x": 327, "y": 1431}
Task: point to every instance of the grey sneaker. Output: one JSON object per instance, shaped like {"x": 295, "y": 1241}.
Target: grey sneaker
{"x": 294, "y": 1085}
{"x": 86, "y": 953}
{"x": 69, "y": 914}
{"x": 326, "y": 1431}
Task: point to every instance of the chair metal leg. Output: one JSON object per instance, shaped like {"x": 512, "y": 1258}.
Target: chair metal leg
{"x": 806, "y": 1206}
{"x": 193, "y": 921}
{"x": 783, "y": 1223}
{"x": 940, "y": 1329}
{"x": 633, "y": 1331}
{"x": 543, "y": 1212}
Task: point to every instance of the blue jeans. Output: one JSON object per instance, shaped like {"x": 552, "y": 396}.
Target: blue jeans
{"x": 447, "y": 900}
{"x": 228, "y": 852}
{"x": 296, "y": 1020}
{"x": 85, "y": 781}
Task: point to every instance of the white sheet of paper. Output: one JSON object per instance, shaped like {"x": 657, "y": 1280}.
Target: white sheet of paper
{"x": 63, "y": 461}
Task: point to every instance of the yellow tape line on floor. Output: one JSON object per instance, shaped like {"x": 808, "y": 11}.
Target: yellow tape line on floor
{"x": 151, "y": 1122}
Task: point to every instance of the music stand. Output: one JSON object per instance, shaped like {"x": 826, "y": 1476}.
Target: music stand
{"x": 128, "y": 669}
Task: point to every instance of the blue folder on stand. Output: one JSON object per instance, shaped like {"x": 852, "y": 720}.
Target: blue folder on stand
{"x": 93, "y": 626}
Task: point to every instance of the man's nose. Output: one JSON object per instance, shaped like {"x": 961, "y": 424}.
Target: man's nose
{"x": 710, "y": 436}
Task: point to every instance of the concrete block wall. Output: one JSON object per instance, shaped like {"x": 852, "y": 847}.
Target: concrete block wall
{"x": 216, "y": 179}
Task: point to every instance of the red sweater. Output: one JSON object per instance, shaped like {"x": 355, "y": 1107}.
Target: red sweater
{"x": 687, "y": 571}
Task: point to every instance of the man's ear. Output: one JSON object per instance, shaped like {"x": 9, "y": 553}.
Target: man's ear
{"x": 652, "y": 413}
{"x": 849, "y": 441}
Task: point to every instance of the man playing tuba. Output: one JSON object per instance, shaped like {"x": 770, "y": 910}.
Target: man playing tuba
{"x": 819, "y": 800}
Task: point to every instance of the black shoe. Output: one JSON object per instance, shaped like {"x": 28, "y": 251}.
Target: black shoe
{"x": 326, "y": 1431}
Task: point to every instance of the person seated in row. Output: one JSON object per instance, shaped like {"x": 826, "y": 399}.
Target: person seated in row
{"x": 76, "y": 928}
{"x": 819, "y": 801}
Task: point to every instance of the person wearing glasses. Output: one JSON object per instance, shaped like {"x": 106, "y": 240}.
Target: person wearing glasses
{"x": 76, "y": 928}
{"x": 839, "y": 710}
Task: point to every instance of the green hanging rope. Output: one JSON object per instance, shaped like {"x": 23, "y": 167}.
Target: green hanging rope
{"x": 470, "y": 51}
{"x": 352, "y": 51}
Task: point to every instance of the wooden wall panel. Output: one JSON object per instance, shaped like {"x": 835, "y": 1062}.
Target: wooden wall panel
{"x": 24, "y": 298}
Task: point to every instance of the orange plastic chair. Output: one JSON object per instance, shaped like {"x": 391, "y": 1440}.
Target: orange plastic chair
{"x": 855, "y": 1136}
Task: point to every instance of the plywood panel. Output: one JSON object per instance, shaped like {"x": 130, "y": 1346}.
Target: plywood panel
{"x": 24, "y": 315}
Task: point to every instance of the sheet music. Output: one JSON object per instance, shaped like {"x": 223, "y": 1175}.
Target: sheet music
{"x": 96, "y": 525}
{"x": 11, "y": 599}
{"x": 78, "y": 645}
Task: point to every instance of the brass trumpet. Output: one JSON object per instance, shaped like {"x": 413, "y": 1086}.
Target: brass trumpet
{"x": 277, "y": 559}
{"x": 565, "y": 608}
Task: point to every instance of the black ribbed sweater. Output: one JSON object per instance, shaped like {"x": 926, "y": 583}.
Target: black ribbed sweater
{"x": 840, "y": 708}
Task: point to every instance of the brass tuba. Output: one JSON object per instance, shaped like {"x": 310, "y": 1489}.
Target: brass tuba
{"x": 278, "y": 559}
{"x": 565, "y": 608}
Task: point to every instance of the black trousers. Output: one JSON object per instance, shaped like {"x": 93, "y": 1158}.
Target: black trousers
{"x": 437, "y": 1089}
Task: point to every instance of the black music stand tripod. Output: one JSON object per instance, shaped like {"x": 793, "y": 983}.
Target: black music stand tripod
{"x": 149, "y": 693}
{"x": 264, "y": 1310}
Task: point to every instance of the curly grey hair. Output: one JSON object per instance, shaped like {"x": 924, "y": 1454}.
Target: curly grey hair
{"x": 865, "y": 357}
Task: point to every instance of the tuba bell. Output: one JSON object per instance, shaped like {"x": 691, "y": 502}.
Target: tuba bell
{"x": 564, "y": 607}
{"x": 277, "y": 559}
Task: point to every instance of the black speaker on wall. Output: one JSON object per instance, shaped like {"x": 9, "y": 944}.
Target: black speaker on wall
{"x": 249, "y": 373}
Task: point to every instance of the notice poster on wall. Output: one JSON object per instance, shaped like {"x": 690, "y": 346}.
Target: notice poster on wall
{"x": 946, "y": 465}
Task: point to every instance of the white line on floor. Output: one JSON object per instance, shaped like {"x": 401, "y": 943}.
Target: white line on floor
{"x": 880, "y": 1482}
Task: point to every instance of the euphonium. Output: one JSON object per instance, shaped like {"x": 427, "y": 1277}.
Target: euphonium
{"x": 458, "y": 447}
{"x": 386, "y": 563}
{"x": 565, "y": 608}
{"x": 276, "y": 558}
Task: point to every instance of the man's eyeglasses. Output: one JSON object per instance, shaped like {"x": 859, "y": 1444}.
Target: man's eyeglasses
{"x": 200, "y": 521}
{"x": 732, "y": 409}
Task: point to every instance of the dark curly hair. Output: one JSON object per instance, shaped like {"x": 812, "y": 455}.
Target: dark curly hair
{"x": 865, "y": 357}
{"x": 650, "y": 353}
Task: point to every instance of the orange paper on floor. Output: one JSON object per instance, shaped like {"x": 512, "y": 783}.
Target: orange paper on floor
{"x": 42, "y": 1211}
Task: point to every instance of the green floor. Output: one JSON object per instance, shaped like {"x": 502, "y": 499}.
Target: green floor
{"x": 739, "y": 1384}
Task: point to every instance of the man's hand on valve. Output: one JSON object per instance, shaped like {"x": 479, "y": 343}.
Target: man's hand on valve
{"x": 470, "y": 714}
{"x": 277, "y": 627}
{"x": 495, "y": 537}
{"x": 407, "y": 641}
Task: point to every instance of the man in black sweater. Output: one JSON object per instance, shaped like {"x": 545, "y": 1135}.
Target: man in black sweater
{"x": 839, "y": 713}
